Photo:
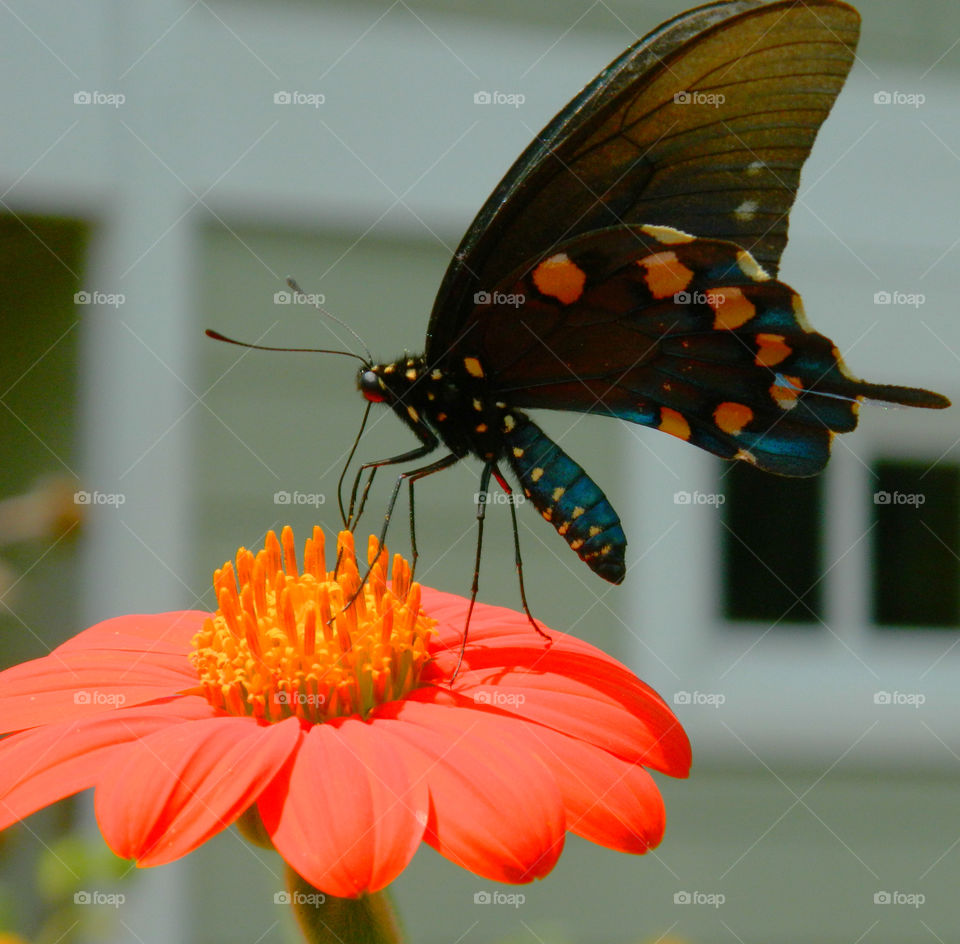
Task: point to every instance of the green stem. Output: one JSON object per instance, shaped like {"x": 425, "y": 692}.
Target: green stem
{"x": 323, "y": 919}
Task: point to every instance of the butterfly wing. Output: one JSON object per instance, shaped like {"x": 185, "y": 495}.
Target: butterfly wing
{"x": 703, "y": 126}
{"x": 691, "y": 336}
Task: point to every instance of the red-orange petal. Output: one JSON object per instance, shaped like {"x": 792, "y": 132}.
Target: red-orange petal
{"x": 39, "y": 767}
{"x": 171, "y": 632}
{"x": 348, "y": 812}
{"x": 495, "y": 809}
{"x": 172, "y": 790}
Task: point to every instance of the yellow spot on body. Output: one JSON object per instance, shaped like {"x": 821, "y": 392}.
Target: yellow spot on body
{"x": 797, "y": 303}
{"x": 547, "y": 514}
{"x": 786, "y": 396}
{"x": 751, "y": 268}
{"x": 431, "y": 395}
{"x": 577, "y": 512}
{"x": 562, "y": 529}
{"x": 390, "y": 368}
{"x": 477, "y": 404}
{"x": 732, "y": 417}
{"x": 473, "y": 366}
{"x": 558, "y": 493}
{"x": 509, "y": 422}
{"x": 576, "y": 545}
{"x": 441, "y": 417}
{"x": 413, "y": 414}
{"x": 409, "y": 362}
{"x": 560, "y": 278}
{"x": 606, "y": 549}
{"x": 411, "y": 374}
{"x": 667, "y": 234}
{"x": 730, "y": 308}
{"x": 673, "y": 423}
{"x": 536, "y": 474}
{"x": 480, "y": 427}
{"x": 665, "y": 275}
{"x": 594, "y": 530}
{"x": 436, "y": 374}
{"x": 501, "y": 405}
{"x": 771, "y": 350}
{"x": 744, "y": 456}
{"x": 518, "y": 452}
{"x": 746, "y": 211}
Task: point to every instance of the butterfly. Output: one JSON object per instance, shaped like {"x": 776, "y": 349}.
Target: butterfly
{"x": 626, "y": 266}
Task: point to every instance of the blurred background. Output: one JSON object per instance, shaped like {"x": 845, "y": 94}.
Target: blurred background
{"x": 805, "y": 632}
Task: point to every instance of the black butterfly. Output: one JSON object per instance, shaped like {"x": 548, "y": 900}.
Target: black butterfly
{"x": 626, "y": 266}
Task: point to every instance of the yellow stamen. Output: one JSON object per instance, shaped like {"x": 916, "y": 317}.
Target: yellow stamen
{"x": 281, "y": 643}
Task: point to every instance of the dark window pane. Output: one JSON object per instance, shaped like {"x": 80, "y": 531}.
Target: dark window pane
{"x": 916, "y": 543}
{"x": 771, "y": 546}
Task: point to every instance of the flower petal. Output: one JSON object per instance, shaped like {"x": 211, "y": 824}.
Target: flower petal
{"x": 349, "y": 812}
{"x": 42, "y": 766}
{"x": 495, "y": 809}
{"x": 174, "y": 789}
{"x": 77, "y": 684}
{"x": 141, "y": 632}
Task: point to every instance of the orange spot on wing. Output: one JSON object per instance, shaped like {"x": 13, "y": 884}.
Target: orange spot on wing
{"x": 560, "y": 278}
{"x": 673, "y": 423}
{"x": 786, "y": 397}
{"x": 771, "y": 349}
{"x": 730, "y": 308}
{"x": 665, "y": 275}
{"x": 732, "y": 417}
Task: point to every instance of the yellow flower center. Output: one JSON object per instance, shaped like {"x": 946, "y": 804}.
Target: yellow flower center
{"x": 284, "y": 643}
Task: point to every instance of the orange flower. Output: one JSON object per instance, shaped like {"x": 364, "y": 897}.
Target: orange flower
{"x": 342, "y": 730}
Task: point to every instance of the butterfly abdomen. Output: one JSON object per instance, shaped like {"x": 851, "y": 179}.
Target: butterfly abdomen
{"x": 566, "y": 497}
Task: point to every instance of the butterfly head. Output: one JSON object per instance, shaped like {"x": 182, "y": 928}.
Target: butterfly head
{"x": 391, "y": 383}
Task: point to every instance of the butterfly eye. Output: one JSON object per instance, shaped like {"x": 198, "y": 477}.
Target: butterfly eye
{"x": 370, "y": 387}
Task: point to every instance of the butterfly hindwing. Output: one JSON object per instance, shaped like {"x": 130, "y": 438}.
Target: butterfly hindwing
{"x": 566, "y": 497}
{"x": 690, "y": 336}
{"x": 703, "y": 125}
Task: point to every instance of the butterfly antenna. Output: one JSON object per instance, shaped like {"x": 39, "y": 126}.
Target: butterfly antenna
{"x": 346, "y": 465}
{"x": 295, "y": 288}
{"x": 217, "y": 336}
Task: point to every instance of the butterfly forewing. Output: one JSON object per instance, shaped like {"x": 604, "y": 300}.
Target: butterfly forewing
{"x": 703, "y": 126}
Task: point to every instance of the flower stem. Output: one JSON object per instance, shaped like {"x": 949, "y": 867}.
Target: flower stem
{"x": 323, "y": 919}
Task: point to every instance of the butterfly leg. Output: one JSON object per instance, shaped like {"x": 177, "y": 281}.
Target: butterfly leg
{"x": 516, "y": 550}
